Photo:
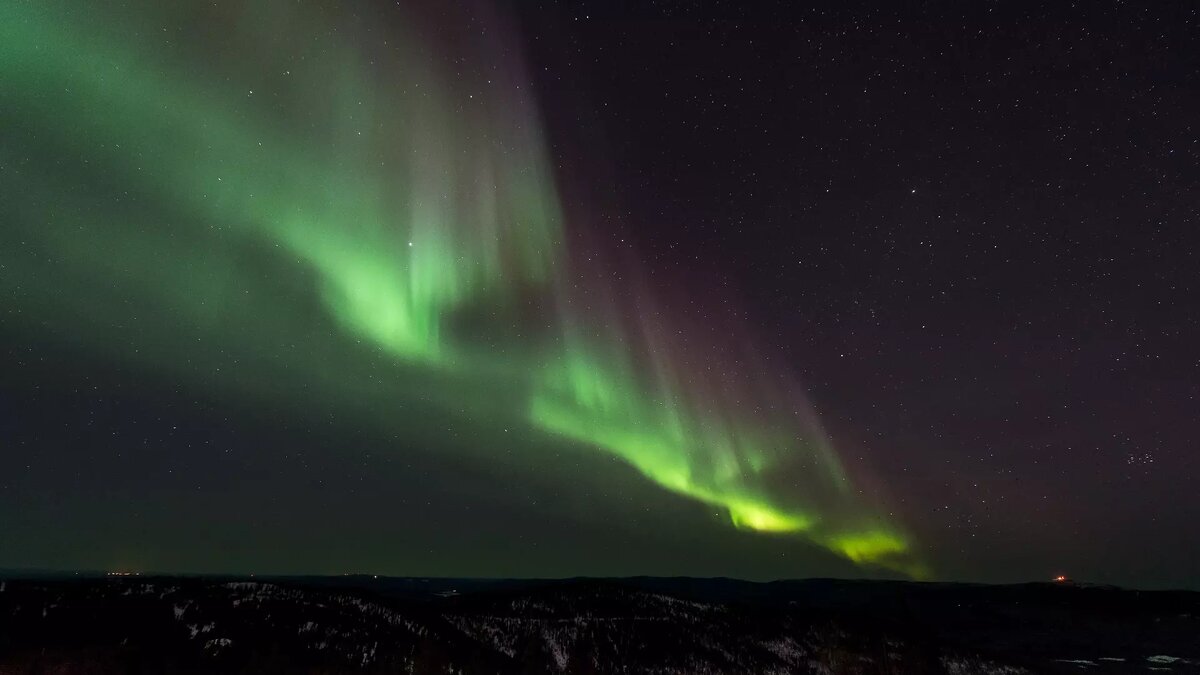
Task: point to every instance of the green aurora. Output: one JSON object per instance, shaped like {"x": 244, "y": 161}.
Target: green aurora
{"x": 246, "y": 197}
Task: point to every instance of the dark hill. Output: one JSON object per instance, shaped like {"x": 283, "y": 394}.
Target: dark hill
{"x": 365, "y": 624}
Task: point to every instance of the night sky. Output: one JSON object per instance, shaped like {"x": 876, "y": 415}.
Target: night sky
{"x": 555, "y": 289}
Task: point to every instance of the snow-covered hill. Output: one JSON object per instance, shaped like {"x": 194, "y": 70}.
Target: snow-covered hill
{"x": 141, "y": 624}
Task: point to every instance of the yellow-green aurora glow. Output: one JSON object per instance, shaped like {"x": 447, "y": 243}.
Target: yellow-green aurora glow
{"x": 403, "y": 205}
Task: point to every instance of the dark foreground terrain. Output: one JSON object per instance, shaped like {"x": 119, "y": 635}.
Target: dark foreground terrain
{"x": 363, "y": 624}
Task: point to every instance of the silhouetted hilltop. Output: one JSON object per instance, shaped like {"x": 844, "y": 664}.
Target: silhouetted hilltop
{"x": 91, "y": 624}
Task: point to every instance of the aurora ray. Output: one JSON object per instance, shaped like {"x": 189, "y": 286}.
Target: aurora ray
{"x": 412, "y": 208}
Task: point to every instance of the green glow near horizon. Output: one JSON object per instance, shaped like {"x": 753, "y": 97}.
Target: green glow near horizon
{"x": 367, "y": 167}
{"x": 606, "y": 407}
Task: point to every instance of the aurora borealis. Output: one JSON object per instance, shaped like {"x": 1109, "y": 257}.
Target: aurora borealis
{"x": 359, "y": 226}
{"x": 419, "y": 221}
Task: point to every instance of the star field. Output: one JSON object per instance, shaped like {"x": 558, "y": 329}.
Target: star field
{"x": 577, "y": 288}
